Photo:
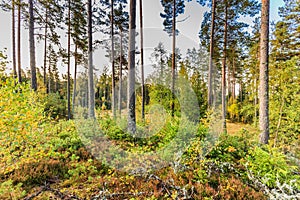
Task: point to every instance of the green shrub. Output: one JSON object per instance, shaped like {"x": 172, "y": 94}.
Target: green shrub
{"x": 270, "y": 166}
{"x": 10, "y": 191}
{"x": 55, "y": 106}
{"x": 230, "y": 148}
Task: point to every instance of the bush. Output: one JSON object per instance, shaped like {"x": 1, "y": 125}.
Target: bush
{"x": 10, "y": 191}
{"x": 21, "y": 115}
{"x": 230, "y": 148}
{"x": 270, "y": 166}
{"x": 55, "y": 106}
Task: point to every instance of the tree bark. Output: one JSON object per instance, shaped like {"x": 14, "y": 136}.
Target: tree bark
{"x": 75, "y": 78}
{"x": 19, "y": 43}
{"x": 228, "y": 81}
{"x": 255, "y": 102}
{"x": 49, "y": 75}
{"x": 211, "y": 55}
{"x": 131, "y": 68}
{"x": 113, "y": 91}
{"x": 91, "y": 102}
{"x": 45, "y": 48}
{"x": 264, "y": 73}
{"x": 256, "y": 90}
{"x": 173, "y": 59}
{"x": 14, "y": 39}
{"x": 120, "y": 73}
{"x": 142, "y": 59}
{"x": 234, "y": 79}
{"x": 69, "y": 55}
{"x": 224, "y": 70}
{"x": 32, "y": 46}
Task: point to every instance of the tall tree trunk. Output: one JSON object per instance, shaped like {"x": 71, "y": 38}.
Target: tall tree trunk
{"x": 19, "y": 43}
{"x": 173, "y": 58}
{"x": 211, "y": 55}
{"x": 49, "y": 75}
{"x": 75, "y": 78}
{"x": 32, "y": 46}
{"x": 142, "y": 59}
{"x": 224, "y": 70}
{"x": 91, "y": 95}
{"x": 228, "y": 86}
{"x": 234, "y": 79}
{"x": 69, "y": 56}
{"x": 45, "y": 48}
{"x": 113, "y": 91}
{"x": 14, "y": 39}
{"x": 120, "y": 73}
{"x": 131, "y": 68}
{"x": 279, "y": 120}
{"x": 161, "y": 75}
{"x": 256, "y": 89}
{"x": 255, "y": 102}
{"x": 264, "y": 73}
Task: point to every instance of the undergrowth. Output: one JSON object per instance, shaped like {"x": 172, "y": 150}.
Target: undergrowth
{"x": 44, "y": 158}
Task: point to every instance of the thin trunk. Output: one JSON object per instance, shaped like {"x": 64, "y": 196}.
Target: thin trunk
{"x": 75, "y": 79}
{"x": 161, "y": 74}
{"x": 14, "y": 39}
{"x": 264, "y": 74}
{"x": 131, "y": 68}
{"x": 173, "y": 59}
{"x": 120, "y": 73}
{"x": 49, "y": 75}
{"x": 19, "y": 43}
{"x": 86, "y": 103}
{"x": 142, "y": 59}
{"x": 224, "y": 71}
{"x": 91, "y": 95}
{"x": 211, "y": 52}
{"x": 229, "y": 82}
{"x": 241, "y": 96}
{"x": 45, "y": 48}
{"x": 113, "y": 91}
{"x": 161, "y": 69}
{"x": 256, "y": 91}
{"x": 32, "y": 46}
{"x": 234, "y": 79}
{"x": 255, "y": 102}
{"x": 69, "y": 56}
{"x": 279, "y": 120}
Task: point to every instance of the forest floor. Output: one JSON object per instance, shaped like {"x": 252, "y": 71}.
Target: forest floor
{"x": 236, "y": 128}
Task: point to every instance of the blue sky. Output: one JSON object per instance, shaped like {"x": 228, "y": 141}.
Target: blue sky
{"x": 153, "y": 32}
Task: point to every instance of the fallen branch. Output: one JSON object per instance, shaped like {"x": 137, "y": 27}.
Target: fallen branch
{"x": 105, "y": 195}
{"x": 35, "y": 194}
{"x": 56, "y": 192}
{"x": 182, "y": 193}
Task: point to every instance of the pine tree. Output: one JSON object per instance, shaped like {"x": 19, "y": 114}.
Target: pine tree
{"x": 229, "y": 38}
{"x": 171, "y": 10}
{"x": 91, "y": 104}
{"x": 131, "y": 68}
{"x": 69, "y": 62}
{"x": 13, "y": 39}
{"x": 111, "y": 23}
{"x": 78, "y": 34}
{"x": 264, "y": 73}
{"x": 19, "y": 41}
{"x": 122, "y": 26}
{"x": 211, "y": 51}
{"x": 32, "y": 46}
{"x": 142, "y": 59}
